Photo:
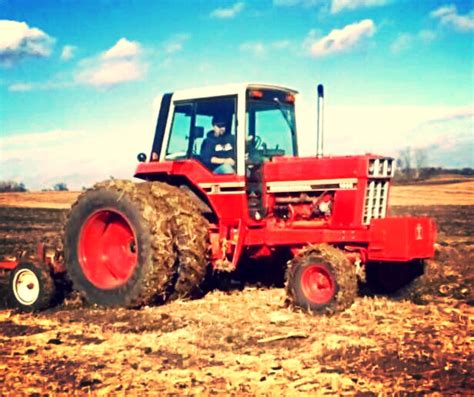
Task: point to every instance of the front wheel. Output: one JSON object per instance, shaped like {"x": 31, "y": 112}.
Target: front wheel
{"x": 321, "y": 279}
{"x": 31, "y": 287}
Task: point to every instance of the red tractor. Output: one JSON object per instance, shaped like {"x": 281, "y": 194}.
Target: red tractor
{"x": 130, "y": 244}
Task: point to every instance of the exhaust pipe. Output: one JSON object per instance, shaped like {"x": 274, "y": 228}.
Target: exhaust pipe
{"x": 320, "y": 132}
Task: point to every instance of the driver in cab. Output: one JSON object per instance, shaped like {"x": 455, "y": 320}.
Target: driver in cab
{"x": 218, "y": 149}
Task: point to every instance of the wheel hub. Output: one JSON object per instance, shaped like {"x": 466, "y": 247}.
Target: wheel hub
{"x": 317, "y": 284}
{"x": 26, "y": 287}
{"x": 107, "y": 249}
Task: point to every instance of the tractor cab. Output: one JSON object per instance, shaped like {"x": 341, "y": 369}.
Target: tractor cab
{"x": 259, "y": 118}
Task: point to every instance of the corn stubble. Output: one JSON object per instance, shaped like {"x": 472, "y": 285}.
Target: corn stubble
{"x": 249, "y": 343}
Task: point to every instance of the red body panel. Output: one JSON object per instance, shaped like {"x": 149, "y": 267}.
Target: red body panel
{"x": 346, "y": 178}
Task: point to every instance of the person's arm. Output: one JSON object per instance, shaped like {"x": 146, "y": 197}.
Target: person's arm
{"x": 206, "y": 152}
{"x": 222, "y": 160}
{"x": 231, "y": 153}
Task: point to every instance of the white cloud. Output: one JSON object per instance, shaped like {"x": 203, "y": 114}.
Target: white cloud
{"x": 108, "y": 74}
{"x": 448, "y": 15}
{"x": 401, "y": 43}
{"x": 47, "y": 85}
{"x": 122, "y": 49}
{"x": 443, "y": 11}
{"x": 406, "y": 41}
{"x": 340, "y": 5}
{"x": 120, "y": 64}
{"x": 258, "y": 48}
{"x": 20, "y": 87}
{"x": 254, "y": 47}
{"x": 426, "y": 35}
{"x": 340, "y": 40}
{"x": 10, "y": 144}
{"x": 68, "y": 52}
{"x": 281, "y": 44}
{"x": 229, "y": 12}
{"x": 176, "y": 43}
{"x": 78, "y": 158}
{"x": 18, "y": 41}
{"x": 388, "y": 129}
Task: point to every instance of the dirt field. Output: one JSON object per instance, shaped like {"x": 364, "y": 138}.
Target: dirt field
{"x": 246, "y": 342}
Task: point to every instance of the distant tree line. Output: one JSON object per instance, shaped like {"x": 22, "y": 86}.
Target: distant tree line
{"x": 411, "y": 167}
{"x": 60, "y": 187}
{"x": 12, "y": 186}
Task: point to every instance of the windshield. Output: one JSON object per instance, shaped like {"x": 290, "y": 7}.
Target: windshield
{"x": 271, "y": 127}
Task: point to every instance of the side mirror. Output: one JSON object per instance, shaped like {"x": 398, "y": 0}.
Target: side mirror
{"x": 141, "y": 157}
{"x": 198, "y": 132}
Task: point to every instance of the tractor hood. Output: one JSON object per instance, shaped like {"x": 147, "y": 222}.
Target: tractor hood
{"x": 312, "y": 168}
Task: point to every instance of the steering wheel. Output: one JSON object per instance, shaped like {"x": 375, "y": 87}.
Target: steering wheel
{"x": 257, "y": 141}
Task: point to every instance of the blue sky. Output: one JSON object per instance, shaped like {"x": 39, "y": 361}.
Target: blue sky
{"x": 79, "y": 80}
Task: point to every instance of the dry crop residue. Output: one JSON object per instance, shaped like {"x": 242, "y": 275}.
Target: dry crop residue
{"x": 247, "y": 342}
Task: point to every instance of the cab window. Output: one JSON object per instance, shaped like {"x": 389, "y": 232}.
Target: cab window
{"x": 192, "y": 123}
{"x": 180, "y": 131}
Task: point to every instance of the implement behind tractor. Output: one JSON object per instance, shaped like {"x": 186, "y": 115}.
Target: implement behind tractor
{"x": 34, "y": 280}
{"x": 323, "y": 219}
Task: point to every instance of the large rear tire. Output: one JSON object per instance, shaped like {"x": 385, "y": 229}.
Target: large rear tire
{"x": 118, "y": 245}
{"x": 321, "y": 279}
{"x": 190, "y": 238}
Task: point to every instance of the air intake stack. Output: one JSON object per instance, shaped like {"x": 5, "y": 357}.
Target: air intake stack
{"x": 320, "y": 127}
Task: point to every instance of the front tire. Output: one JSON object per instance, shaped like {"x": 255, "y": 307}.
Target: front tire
{"x": 321, "y": 279}
{"x": 118, "y": 245}
{"x": 31, "y": 287}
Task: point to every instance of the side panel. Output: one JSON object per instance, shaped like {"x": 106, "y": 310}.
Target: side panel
{"x": 347, "y": 207}
{"x": 401, "y": 239}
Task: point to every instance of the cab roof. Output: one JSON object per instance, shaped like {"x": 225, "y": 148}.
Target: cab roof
{"x": 226, "y": 89}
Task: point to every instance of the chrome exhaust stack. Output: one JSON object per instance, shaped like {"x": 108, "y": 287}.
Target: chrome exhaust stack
{"x": 320, "y": 127}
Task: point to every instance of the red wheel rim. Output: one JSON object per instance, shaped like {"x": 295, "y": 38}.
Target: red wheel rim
{"x": 107, "y": 249}
{"x": 317, "y": 284}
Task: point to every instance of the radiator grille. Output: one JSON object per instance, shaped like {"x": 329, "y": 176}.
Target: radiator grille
{"x": 375, "y": 205}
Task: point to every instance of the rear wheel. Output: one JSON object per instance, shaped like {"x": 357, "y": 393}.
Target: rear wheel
{"x": 190, "y": 238}
{"x": 118, "y": 245}
{"x": 321, "y": 279}
{"x": 31, "y": 287}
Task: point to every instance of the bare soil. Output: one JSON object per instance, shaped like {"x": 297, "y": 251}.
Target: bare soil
{"x": 246, "y": 341}
{"x": 38, "y": 199}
